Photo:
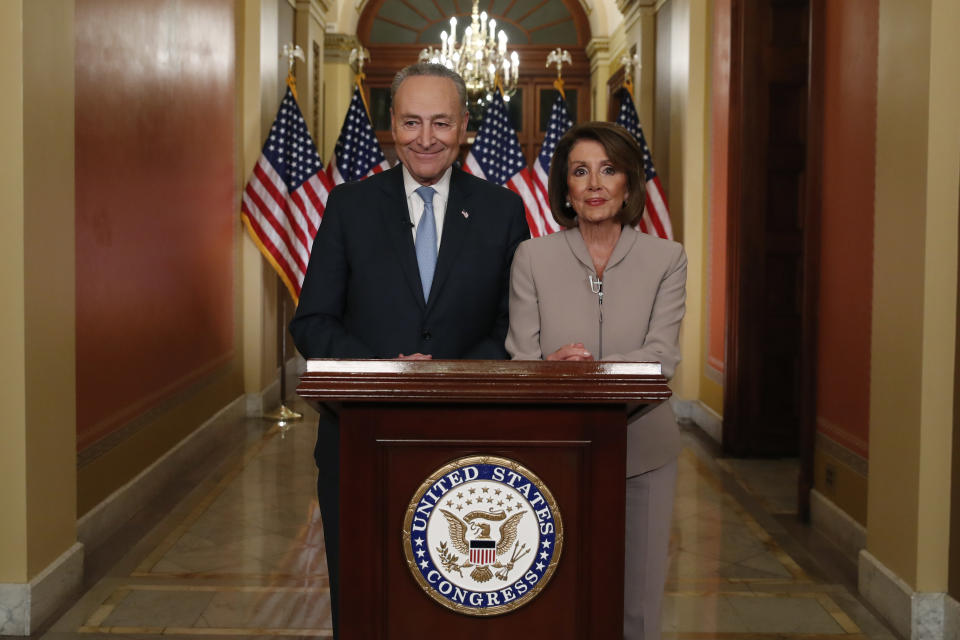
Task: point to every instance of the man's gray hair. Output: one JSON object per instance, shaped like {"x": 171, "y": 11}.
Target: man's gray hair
{"x": 429, "y": 69}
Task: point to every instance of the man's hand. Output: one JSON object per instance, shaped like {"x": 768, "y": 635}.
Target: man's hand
{"x": 415, "y": 356}
{"x": 572, "y": 352}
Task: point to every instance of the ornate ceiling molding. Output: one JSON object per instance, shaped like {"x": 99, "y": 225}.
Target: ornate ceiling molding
{"x": 528, "y": 23}
{"x": 598, "y": 46}
{"x": 337, "y": 47}
{"x": 630, "y": 5}
{"x": 317, "y": 8}
{"x": 598, "y": 51}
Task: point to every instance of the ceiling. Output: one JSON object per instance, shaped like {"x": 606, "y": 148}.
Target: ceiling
{"x": 525, "y": 21}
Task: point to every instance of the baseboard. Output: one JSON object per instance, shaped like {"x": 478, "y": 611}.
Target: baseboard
{"x": 24, "y": 607}
{"x": 98, "y": 524}
{"x": 951, "y": 619}
{"x": 914, "y": 615}
{"x": 256, "y": 404}
{"x": 267, "y": 400}
{"x": 704, "y": 417}
{"x": 837, "y": 526}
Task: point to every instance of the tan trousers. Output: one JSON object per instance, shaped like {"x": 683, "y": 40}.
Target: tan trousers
{"x": 649, "y": 512}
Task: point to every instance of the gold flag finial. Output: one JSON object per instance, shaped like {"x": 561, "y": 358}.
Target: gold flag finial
{"x": 558, "y": 57}
{"x": 358, "y": 57}
{"x": 291, "y": 52}
{"x": 629, "y": 62}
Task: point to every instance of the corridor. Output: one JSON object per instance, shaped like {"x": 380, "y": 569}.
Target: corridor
{"x": 241, "y": 556}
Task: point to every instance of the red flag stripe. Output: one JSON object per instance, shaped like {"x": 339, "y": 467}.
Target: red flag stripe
{"x": 321, "y": 187}
{"x": 299, "y": 214}
{"x": 543, "y": 197}
{"x": 302, "y": 210}
{"x": 266, "y": 184}
{"x": 316, "y": 209}
{"x": 657, "y": 205}
{"x": 266, "y": 228}
{"x": 269, "y": 182}
{"x": 310, "y": 213}
{"x": 520, "y": 184}
{"x": 270, "y": 220}
{"x": 278, "y": 218}
{"x": 280, "y": 258}
{"x": 541, "y": 180}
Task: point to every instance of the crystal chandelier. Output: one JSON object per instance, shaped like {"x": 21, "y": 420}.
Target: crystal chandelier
{"x": 480, "y": 58}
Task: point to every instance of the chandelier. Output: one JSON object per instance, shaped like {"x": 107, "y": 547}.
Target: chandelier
{"x": 480, "y": 57}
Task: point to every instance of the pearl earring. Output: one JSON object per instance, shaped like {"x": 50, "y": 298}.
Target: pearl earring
{"x": 567, "y": 204}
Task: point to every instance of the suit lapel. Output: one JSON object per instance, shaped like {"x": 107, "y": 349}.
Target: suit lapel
{"x": 396, "y": 225}
{"x": 456, "y": 224}
{"x": 628, "y": 236}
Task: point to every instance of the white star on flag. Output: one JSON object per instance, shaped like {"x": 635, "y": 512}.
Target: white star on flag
{"x": 356, "y": 160}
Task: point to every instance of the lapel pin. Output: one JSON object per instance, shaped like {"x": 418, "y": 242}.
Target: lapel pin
{"x": 464, "y": 213}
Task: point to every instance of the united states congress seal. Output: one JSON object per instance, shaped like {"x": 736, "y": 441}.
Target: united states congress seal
{"x": 482, "y": 535}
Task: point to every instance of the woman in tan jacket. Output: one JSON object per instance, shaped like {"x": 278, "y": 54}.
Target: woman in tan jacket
{"x": 601, "y": 290}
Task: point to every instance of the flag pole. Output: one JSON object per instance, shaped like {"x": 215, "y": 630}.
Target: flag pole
{"x": 284, "y": 414}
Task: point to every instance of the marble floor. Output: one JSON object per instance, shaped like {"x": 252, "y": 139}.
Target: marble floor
{"x": 240, "y": 554}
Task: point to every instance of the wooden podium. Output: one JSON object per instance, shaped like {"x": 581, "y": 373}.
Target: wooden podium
{"x": 402, "y": 421}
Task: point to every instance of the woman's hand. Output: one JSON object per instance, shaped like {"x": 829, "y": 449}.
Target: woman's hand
{"x": 574, "y": 351}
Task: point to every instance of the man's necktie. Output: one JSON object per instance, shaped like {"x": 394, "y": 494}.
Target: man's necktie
{"x": 426, "y": 242}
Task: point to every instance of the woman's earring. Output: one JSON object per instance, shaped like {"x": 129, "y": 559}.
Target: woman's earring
{"x": 567, "y": 204}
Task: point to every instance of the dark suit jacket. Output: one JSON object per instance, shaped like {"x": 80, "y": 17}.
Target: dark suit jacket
{"x": 362, "y": 296}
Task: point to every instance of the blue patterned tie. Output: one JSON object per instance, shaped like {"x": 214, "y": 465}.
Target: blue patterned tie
{"x": 426, "y": 242}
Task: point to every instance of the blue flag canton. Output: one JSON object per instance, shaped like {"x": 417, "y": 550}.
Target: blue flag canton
{"x": 289, "y": 147}
{"x": 358, "y": 150}
{"x": 496, "y": 148}
{"x": 560, "y": 123}
{"x": 629, "y": 120}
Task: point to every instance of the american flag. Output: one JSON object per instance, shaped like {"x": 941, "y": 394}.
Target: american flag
{"x": 560, "y": 122}
{"x": 285, "y": 197}
{"x": 358, "y": 153}
{"x": 656, "y": 215}
{"x": 496, "y": 156}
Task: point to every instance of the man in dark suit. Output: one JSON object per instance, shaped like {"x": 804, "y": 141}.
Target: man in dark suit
{"x": 411, "y": 263}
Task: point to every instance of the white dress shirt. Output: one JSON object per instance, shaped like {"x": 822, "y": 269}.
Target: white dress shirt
{"x": 415, "y": 202}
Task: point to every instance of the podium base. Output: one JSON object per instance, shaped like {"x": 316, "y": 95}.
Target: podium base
{"x": 283, "y": 414}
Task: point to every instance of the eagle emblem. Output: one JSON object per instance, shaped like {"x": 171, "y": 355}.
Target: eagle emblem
{"x": 481, "y": 548}
{"x": 482, "y": 535}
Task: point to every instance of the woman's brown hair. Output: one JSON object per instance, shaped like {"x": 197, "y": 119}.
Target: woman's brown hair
{"x": 625, "y": 155}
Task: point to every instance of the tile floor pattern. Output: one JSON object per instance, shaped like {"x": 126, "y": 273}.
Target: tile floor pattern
{"x": 242, "y": 556}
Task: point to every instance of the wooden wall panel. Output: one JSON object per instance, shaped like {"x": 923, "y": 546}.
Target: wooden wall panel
{"x": 719, "y": 164}
{"x": 846, "y": 259}
{"x": 156, "y": 216}
{"x": 767, "y": 218}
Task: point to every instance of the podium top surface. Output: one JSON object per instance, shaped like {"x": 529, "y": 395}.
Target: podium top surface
{"x": 511, "y": 381}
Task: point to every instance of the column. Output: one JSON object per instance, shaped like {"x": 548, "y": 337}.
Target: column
{"x": 338, "y": 87}
{"x": 41, "y": 563}
{"x": 904, "y": 569}
{"x": 598, "y": 51}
